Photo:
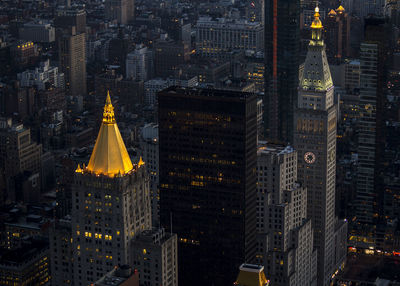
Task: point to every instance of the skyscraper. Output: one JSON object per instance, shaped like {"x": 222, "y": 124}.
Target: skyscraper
{"x": 208, "y": 180}
{"x": 282, "y": 38}
{"x": 71, "y": 40}
{"x": 283, "y": 228}
{"x": 110, "y": 205}
{"x": 315, "y": 141}
{"x": 371, "y": 140}
{"x": 123, "y": 11}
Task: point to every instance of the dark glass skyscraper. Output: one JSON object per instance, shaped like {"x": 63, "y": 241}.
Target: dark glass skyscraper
{"x": 208, "y": 180}
{"x": 282, "y": 38}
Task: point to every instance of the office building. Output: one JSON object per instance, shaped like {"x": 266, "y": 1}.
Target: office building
{"x": 61, "y": 252}
{"x": 110, "y": 204}
{"x": 42, "y": 77}
{"x": 38, "y": 32}
{"x": 72, "y": 56}
{"x": 285, "y": 235}
{"x": 122, "y": 275}
{"x": 19, "y": 154}
{"x": 282, "y": 46}
{"x": 207, "y": 180}
{"x": 216, "y": 37}
{"x": 67, "y": 18}
{"x": 315, "y": 142}
{"x": 121, "y": 11}
{"x": 371, "y": 137}
{"x": 139, "y": 64}
{"x": 337, "y": 35}
{"x": 352, "y": 77}
{"x": 154, "y": 254}
{"x": 149, "y": 150}
{"x": 169, "y": 55}
{"x": 70, "y": 27}
{"x": 26, "y": 265}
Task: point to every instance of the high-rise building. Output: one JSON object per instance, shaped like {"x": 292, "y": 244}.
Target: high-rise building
{"x": 282, "y": 48}
{"x": 285, "y": 236}
{"x": 208, "y": 181}
{"x": 110, "y": 205}
{"x": 138, "y": 63}
{"x": 19, "y": 154}
{"x": 67, "y": 18}
{"x": 155, "y": 255}
{"x": 315, "y": 142}
{"x": 122, "y": 11}
{"x": 71, "y": 39}
{"x": 61, "y": 252}
{"x": 72, "y": 55}
{"x": 149, "y": 149}
{"x": 337, "y": 35}
{"x": 371, "y": 138}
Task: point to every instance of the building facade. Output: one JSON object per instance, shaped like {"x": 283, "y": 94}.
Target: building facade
{"x": 42, "y": 77}
{"x": 122, "y": 11}
{"x": 110, "y": 205}
{"x": 220, "y": 36}
{"x": 155, "y": 255}
{"x": 285, "y": 235}
{"x": 315, "y": 142}
{"x": 282, "y": 48}
{"x": 150, "y": 152}
{"x": 207, "y": 180}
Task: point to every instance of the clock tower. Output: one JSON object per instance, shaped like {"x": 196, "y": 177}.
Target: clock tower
{"x": 315, "y": 141}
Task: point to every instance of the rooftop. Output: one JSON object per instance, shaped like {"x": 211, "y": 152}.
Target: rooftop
{"x": 109, "y": 156}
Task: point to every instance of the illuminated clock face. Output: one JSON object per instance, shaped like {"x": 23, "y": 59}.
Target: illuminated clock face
{"x": 309, "y": 157}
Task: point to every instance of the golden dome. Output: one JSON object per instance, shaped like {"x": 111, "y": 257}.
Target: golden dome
{"x": 316, "y": 24}
{"x": 109, "y": 156}
{"x": 340, "y": 9}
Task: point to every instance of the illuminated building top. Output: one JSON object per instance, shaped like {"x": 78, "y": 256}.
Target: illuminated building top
{"x": 316, "y": 24}
{"x": 340, "y": 9}
{"x": 316, "y": 75}
{"x": 251, "y": 275}
{"x": 109, "y": 156}
{"x": 332, "y": 13}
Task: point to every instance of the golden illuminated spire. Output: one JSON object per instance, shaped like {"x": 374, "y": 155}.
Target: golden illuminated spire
{"x": 316, "y": 24}
{"x": 316, "y": 30}
{"x": 109, "y": 156}
{"x": 141, "y": 162}
{"x": 78, "y": 170}
{"x": 108, "y": 113}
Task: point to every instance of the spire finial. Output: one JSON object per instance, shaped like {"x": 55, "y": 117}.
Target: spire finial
{"x": 78, "y": 170}
{"x": 316, "y": 24}
{"x": 141, "y": 162}
{"x": 108, "y": 113}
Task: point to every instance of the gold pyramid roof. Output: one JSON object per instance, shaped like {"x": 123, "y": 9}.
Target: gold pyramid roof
{"x": 251, "y": 275}
{"x": 332, "y": 13}
{"x": 340, "y": 9}
{"x": 109, "y": 156}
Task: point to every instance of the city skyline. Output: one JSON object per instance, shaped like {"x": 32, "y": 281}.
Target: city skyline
{"x": 167, "y": 142}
